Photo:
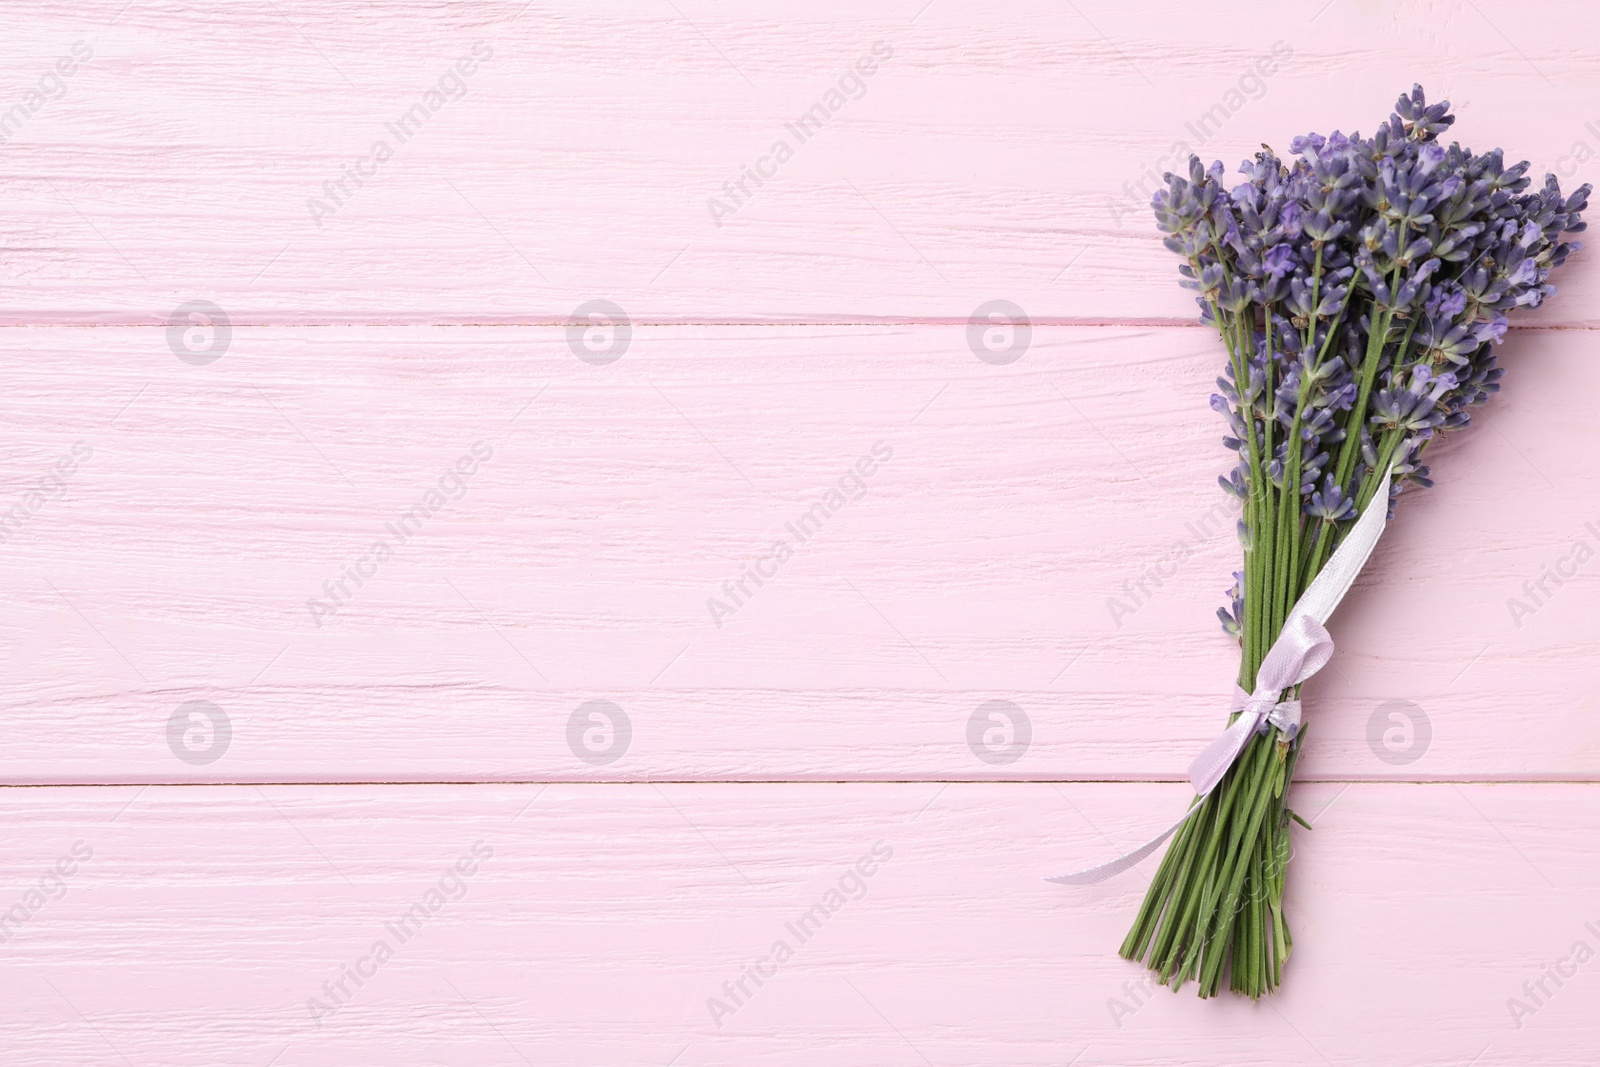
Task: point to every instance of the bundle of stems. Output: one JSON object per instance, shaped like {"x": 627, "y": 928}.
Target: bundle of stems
{"x": 1359, "y": 290}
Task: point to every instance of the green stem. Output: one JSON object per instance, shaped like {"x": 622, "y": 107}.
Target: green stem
{"x": 1210, "y": 976}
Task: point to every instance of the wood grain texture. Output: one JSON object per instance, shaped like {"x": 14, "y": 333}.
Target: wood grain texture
{"x": 608, "y": 916}
{"x": 1048, "y": 533}
{"x": 1001, "y": 150}
{"x": 1044, "y": 532}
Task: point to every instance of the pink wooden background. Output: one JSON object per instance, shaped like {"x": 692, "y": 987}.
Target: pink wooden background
{"x": 179, "y": 890}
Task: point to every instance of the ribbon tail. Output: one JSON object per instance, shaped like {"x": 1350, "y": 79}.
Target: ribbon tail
{"x": 1204, "y": 774}
{"x": 1209, "y": 767}
{"x": 1302, "y": 648}
{"x": 1123, "y": 862}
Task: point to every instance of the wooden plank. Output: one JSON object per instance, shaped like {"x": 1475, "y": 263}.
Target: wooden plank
{"x": 607, "y": 917}
{"x": 997, "y": 151}
{"x": 1047, "y": 533}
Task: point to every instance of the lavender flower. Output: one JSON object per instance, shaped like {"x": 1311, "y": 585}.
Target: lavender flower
{"x": 1361, "y": 284}
{"x": 1330, "y": 504}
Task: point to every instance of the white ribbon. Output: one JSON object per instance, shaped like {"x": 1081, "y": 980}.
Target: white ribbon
{"x": 1302, "y": 649}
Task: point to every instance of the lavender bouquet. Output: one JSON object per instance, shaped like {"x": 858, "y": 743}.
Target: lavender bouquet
{"x": 1360, "y": 288}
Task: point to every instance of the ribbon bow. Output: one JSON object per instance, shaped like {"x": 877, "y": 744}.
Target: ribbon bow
{"x": 1302, "y": 648}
